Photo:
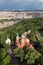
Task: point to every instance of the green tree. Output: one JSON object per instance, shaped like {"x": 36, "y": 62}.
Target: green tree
{"x": 31, "y": 56}
{"x": 19, "y": 53}
{"x": 2, "y": 53}
{"x": 40, "y": 48}
{"x": 4, "y": 58}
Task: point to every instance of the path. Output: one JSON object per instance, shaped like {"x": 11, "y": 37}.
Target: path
{"x": 6, "y": 24}
{"x": 13, "y": 60}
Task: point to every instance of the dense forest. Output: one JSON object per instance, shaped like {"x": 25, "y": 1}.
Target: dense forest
{"x": 22, "y": 56}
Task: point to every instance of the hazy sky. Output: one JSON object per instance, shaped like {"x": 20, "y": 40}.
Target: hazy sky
{"x": 22, "y": 4}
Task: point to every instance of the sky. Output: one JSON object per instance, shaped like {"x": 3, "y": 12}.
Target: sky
{"x": 21, "y": 4}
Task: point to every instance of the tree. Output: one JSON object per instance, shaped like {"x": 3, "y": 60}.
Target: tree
{"x": 40, "y": 48}
{"x": 31, "y": 56}
{"x": 4, "y": 58}
{"x": 2, "y": 53}
{"x": 19, "y": 53}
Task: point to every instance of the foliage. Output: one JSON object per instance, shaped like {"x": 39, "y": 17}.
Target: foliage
{"x": 31, "y": 55}
{"x": 19, "y": 53}
{"x": 2, "y": 53}
{"x": 4, "y": 58}
{"x": 41, "y": 60}
{"x": 40, "y": 48}
{"x": 21, "y": 27}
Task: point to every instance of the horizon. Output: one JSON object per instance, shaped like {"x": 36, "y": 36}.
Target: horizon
{"x": 19, "y": 10}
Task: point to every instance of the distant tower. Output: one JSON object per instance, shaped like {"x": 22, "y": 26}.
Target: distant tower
{"x": 33, "y": 14}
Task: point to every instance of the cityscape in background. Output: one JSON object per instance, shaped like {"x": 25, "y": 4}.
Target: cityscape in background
{"x": 7, "y": 14}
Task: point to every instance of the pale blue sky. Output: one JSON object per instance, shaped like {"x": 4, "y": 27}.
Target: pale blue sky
{"x": 21, "y": 4}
